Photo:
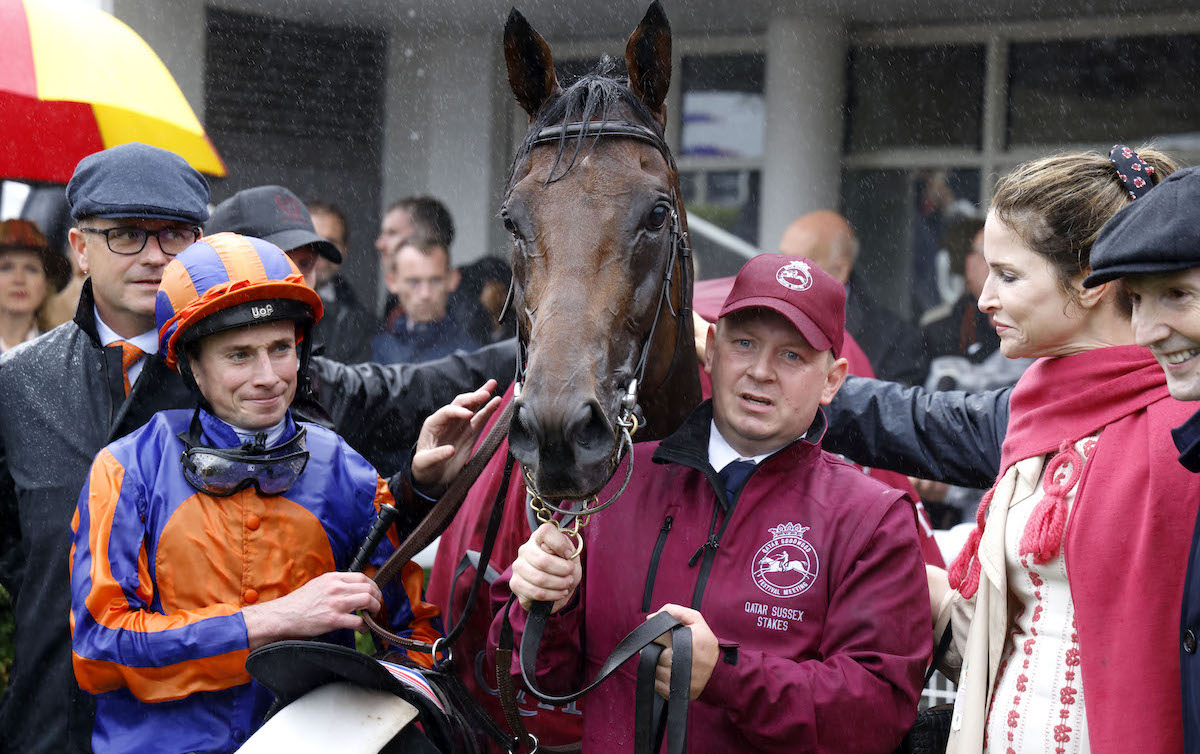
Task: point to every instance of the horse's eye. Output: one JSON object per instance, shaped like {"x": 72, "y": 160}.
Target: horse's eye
{"x": 658, "y": 216}
{"x": 510, "y": 226}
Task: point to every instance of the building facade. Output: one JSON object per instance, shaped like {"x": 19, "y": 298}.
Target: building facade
{"x": 899, "y": 114}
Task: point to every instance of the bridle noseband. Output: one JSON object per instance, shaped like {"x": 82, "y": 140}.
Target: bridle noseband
{"x": 572, "y": 519}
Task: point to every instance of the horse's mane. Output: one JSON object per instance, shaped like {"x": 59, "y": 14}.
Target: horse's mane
{"x": 591, "y": 99}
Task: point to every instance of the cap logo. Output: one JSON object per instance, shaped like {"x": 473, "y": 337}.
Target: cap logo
{"x": 290, "y": 207}
{"x": 262, "y": 311}
{"x": 795, "y": 275}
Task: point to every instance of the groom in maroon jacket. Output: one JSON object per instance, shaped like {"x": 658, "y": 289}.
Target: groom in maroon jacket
{"x": 800, "y": 578}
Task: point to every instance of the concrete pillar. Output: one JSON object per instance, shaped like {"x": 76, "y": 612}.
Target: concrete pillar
{"x": 805, "y": 88}
{"x": 447, "y": 131}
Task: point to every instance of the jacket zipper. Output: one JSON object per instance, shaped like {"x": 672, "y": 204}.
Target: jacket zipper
{"x": 652, "y": 574}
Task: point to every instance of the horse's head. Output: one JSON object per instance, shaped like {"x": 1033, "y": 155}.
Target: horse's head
{"x": 601, "y": 271}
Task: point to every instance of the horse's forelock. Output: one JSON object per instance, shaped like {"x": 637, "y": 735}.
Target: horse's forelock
{"x": 592, "y": 99}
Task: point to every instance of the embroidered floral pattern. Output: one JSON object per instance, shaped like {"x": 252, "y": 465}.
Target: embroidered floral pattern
{"x": 1037, "y": 703}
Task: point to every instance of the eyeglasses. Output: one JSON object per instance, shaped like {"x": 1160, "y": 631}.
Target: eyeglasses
{"x": 130, "y": 240}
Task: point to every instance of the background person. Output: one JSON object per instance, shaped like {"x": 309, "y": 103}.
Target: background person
{"x": 889, "y": 341}
{"x": 345, "y": 331}
{"x": 30, "y": 272}
{"x": 406, "y": 218}
{"x": 802, "y": 574}
{"x": 422, "y": 279}
{"x": 275, "y": 214}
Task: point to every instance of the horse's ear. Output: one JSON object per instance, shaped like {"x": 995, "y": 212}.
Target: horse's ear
{"x": 648, "y": 60}
{"x": 530, "y": 64}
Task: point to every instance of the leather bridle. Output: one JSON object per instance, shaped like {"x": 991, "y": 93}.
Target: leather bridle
{"x": 571, "y": 518}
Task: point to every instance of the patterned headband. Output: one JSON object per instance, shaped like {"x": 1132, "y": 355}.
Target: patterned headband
{"x": 1132, "y": 170}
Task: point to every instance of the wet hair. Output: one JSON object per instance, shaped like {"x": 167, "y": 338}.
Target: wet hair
{"x": 1057, "y": 205}
{"x": 430, "y": 217}
{"x": 958, "y": 241}
{"x": 318, "y": 206}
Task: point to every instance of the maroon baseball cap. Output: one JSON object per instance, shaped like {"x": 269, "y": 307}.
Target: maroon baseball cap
{"x": 807, "y": 296}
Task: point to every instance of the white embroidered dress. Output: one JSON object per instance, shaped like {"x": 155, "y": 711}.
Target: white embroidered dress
{"x": 1037, "y": 705}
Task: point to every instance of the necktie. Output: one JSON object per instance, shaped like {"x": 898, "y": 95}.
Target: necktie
{"x": 129, "y": 355}
{"x": 733, "y": 476}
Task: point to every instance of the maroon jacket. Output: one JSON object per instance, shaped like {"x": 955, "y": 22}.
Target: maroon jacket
{"x": 816, "y": 592}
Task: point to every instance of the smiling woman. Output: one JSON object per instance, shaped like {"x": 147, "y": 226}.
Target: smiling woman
{"x": 1080, "y": 470}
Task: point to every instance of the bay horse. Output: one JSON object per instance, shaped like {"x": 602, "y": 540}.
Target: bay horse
{"x": 602, "y": 296}
{"x": 601, "y": 290}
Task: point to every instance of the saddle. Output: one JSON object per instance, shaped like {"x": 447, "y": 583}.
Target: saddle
{"x": 298, "y": 670}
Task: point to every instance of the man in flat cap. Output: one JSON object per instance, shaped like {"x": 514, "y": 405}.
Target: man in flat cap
{"x": 97, "y": 378}
{"x": 1153, "y": 246}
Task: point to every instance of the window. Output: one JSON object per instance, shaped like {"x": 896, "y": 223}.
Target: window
{"x": 971, "y": 103}
{"x": 916, "y": 96}
{"x": 1128, "y": 89}
{"x": 721, "y": 141}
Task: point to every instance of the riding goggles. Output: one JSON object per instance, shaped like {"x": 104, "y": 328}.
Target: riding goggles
{"x": 223, "y": 471}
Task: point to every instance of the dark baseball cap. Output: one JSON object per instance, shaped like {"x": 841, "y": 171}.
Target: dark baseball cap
{"x": 807, "y": 296}
{"x": 1155, "y": 234}
{"x": 138, "y": 180}
{"x": 273, "y": 214}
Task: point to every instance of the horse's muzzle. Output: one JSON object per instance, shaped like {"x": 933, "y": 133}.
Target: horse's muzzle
{"x": 568, "y": 452}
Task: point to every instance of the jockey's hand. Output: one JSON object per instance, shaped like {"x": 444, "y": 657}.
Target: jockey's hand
{"x": 544, "y": 570}
{"x": 326, "y": 603}
{"x": 705, "y": 651}
{"x": 448, "y": 435}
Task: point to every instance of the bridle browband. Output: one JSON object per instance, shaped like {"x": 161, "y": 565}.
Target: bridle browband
{"x": 679, "y": 255}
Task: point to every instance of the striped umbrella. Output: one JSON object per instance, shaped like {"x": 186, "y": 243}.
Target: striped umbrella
{"x": 75, "y": 80}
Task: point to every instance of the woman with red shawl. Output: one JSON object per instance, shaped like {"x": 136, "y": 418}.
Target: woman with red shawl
{"x": 1063, "y": 620}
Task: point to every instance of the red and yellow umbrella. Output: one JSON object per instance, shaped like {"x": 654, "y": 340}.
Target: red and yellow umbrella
{"x": 75, "y": 80}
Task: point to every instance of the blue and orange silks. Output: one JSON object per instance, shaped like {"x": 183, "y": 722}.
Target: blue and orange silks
{"x": 160, "y": 574}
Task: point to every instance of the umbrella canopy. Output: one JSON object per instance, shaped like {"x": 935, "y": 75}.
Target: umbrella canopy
{"x": 75, "y": 80}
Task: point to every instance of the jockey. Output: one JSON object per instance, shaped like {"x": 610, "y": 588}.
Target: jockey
{"x": 212, "y": 531}
{"x": 823, "y": 650}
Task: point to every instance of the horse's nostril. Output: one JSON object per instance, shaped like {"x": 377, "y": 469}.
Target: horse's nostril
{"x": 588, "y": 431}
{"x": 523, "y": 436}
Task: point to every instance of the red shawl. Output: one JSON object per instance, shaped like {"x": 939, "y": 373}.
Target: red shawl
{"x": 1127, "y": 538}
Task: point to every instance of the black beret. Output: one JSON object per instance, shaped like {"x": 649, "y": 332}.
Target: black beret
{"x": 1157, "y": 233}
{"x": 138, "y": 180}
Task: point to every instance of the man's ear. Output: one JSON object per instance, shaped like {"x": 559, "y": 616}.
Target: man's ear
{"x": 834, "y": 379}
{"x": 453, "y": 279}
{"x": 709, "y": 344}
{"x": 390, "y": 280}
{"x": 79, "y": 247}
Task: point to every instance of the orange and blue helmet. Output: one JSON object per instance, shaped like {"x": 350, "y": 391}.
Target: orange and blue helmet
{"x": 225, "y": 281}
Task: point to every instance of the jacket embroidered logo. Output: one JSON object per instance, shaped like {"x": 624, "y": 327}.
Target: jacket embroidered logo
{"x": 795, "y": 275}
{"x": 787, "y": 565}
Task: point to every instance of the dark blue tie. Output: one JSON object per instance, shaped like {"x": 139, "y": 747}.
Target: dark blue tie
{"x": 733, "y": 476}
